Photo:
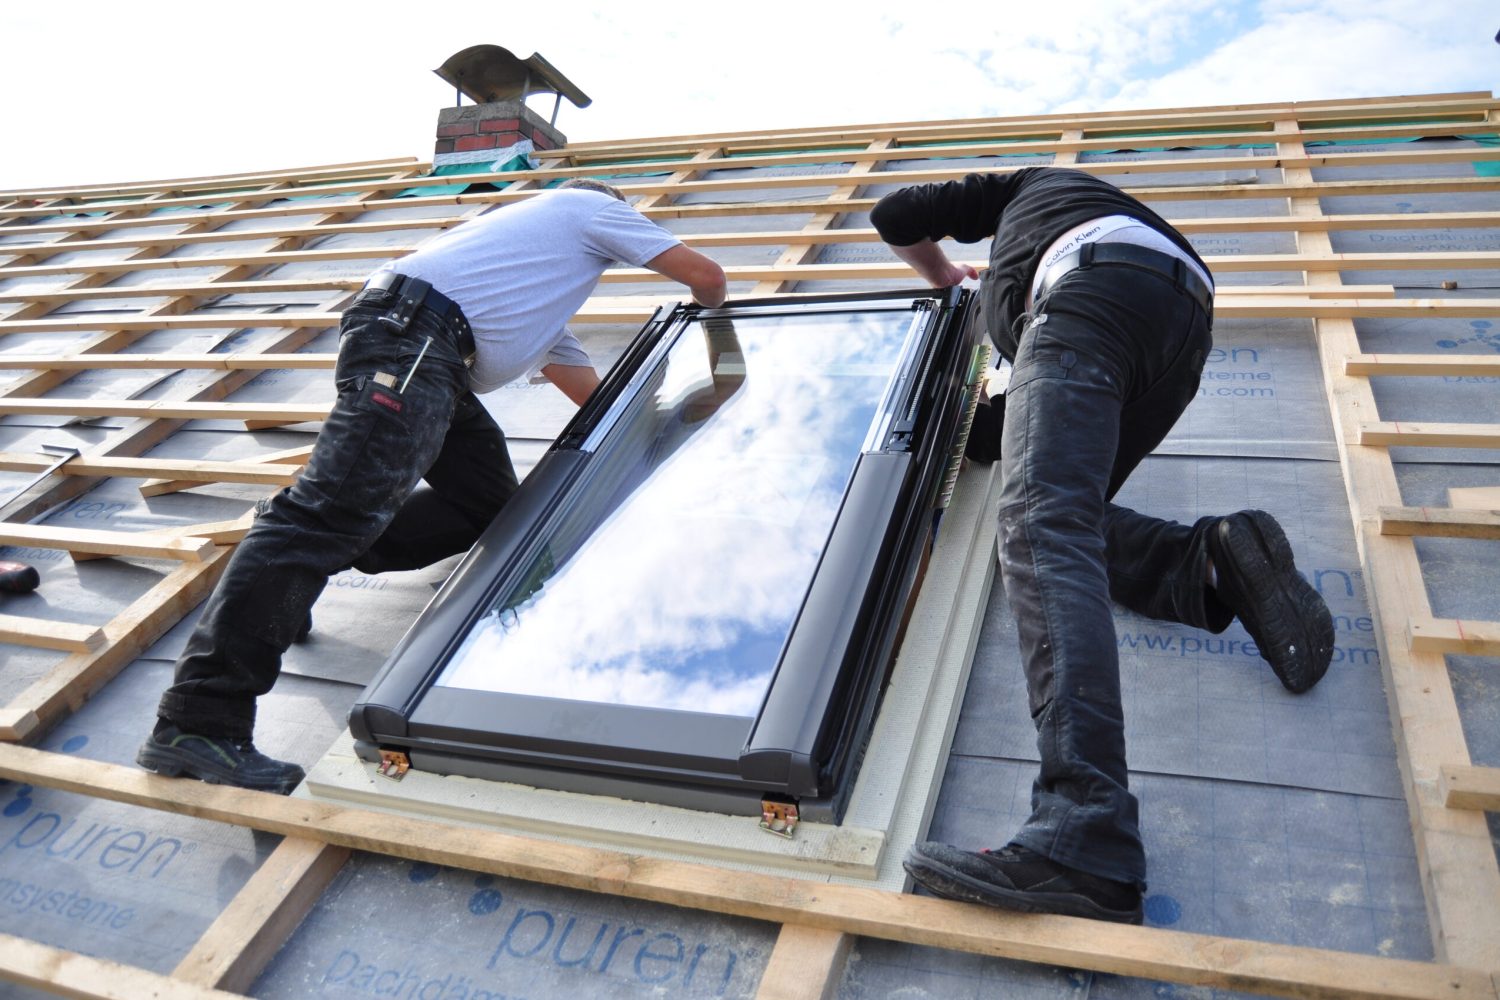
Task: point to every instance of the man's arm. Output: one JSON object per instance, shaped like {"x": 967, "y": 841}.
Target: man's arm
{"x": 575, "y": 381}
{"x": 928, "y": 260}
{"x": 691, "y": 268}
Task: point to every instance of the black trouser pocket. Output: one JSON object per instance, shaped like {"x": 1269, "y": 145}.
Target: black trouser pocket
{"x": 381, "y": 399}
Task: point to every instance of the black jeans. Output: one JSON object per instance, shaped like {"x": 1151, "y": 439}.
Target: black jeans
{"x": 356, "y": 503}
{"x": 1107, "y": 363}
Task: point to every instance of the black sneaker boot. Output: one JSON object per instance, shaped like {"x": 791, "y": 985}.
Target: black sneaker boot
{"x": 218, "y": 760}
{"x": 1283, "y": 613}
{"x": 1015, "y": 878}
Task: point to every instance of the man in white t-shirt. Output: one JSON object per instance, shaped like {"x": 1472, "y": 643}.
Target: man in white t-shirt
{"x": 475, "y": 308}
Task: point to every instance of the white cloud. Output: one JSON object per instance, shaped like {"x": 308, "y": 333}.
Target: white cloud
{"x": 100, "y": 91}
{"x": 1305, "y": 50}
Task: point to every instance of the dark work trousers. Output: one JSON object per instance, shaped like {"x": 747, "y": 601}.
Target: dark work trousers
{"x": 1106, "y": 364}
{"x": 356, "y": 503}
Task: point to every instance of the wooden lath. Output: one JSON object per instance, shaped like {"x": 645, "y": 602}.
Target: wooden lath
{"x": 1476, "y": 102}
{"x": 1195, "y": 959}
{"x": 1461, "y": 881}
{"x": 661, "y": 206}
{"x": 1444, "y": 789}
{"x": 1304, "y": 160}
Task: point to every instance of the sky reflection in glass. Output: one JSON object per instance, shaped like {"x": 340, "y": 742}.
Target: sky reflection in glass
{"x": 675, "y": 577}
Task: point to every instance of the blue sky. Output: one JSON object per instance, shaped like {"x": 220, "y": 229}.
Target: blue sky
{"x": 100, "y": 92}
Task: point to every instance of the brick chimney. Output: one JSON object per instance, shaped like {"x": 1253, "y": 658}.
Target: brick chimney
{"x": 476, "y": 127}
{"x": 498, "y": 83}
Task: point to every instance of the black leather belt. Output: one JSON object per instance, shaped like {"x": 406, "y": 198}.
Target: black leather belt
{"x": 412, "y": 294}
{"x": 1131, "y": 255}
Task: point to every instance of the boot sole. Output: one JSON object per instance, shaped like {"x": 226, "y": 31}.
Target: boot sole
{"x": 1297, "y": 603}
{"x": 171, "y": 763}
{"x": 950, "y": 883}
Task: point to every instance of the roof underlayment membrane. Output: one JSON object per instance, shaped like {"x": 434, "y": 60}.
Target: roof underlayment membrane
{"x": 1325, "y": 821}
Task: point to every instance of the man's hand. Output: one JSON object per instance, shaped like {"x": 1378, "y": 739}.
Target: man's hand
{"x": 954, "y": 274}
{"x": 928, "y": 260}
{"x": 698, "y": 272}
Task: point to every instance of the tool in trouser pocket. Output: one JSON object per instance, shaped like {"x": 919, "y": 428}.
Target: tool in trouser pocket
{"x": 413, "y": 369}
{"x": 18, "y": 578}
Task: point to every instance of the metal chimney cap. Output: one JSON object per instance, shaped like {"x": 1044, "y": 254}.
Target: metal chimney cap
{"x": 489, "y": 73}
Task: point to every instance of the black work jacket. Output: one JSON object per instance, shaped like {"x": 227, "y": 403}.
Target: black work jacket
{"x": 1024, "y": 211}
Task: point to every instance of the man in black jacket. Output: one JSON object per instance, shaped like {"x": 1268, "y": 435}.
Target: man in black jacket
{"x": 1105, "y": 311}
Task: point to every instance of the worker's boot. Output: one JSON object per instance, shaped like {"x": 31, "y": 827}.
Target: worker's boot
{"x": 1283, "y": 613}
{"x": 218, "y": 760}
{"x": 1016, "y": 878}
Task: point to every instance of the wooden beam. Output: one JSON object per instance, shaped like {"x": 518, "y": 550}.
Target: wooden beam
{"x": 1224, "y": 224}
{"x": 294, "y": 458}
{"x": 1150, "y": 953}
{"x": 1460, "y": 880}
{"x": 237, "y": 361}
{"x": 1246, "y": 300}
{"x": 167, "y": 241}
{"x": 262, "y": 259}
{"x": 806, "y": 964}
{"x": 213, "y": 182}
{"x": 268, "y": 471}
{"x": 145, "y": 433}
{"x": 1440, "y": 522}
{"x": 41, "y": 634}
{"x": 159, "y": 241}
{"x": 1155, "y": 120}
{"x": 220, "y": 532}
{"x": 207, "y": 289}
{"x": 1454, "y": 635}
{"x": 1423, "y": 364}
{"x": 284, "y": 413}
{"x": 1298, "y": 306}
{"x": 71, "y": 974}
{"x": 663, "y": 208}
{"x": 637, "y": 309}
{"x": 1469, "y": 787}
{"x": 109, "y": 543}
{"x": 260, "y": 918}
{"x": 1413, "y": 435}
{"x": 1483, "y": 497}
{"x": 655, "y": 186}
{"x": 801, "y": 252}
{"x": 65, "y": 687}
{"x": 1292, "y": 304}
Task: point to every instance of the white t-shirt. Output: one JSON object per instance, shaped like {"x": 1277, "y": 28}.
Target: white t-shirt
{"x": 520, "y": 272}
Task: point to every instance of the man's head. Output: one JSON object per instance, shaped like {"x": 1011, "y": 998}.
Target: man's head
{"x": 589, "y": 184}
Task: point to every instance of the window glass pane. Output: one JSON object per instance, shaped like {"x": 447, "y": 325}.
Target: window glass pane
{"x": 677, "y": 571}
